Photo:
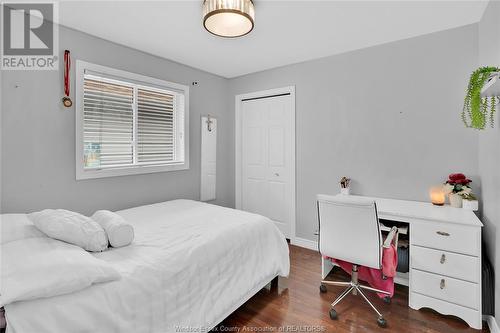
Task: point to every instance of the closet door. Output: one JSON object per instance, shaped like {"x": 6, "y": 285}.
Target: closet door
{"x": 266, "y": 157}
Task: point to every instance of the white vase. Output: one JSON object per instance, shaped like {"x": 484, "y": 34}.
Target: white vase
{"x": 455, "y": 200}
{"x": 345, "y": 191}
{"x": 470, "y": 204}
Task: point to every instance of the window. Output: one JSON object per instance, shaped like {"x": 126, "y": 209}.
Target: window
{"x": 128, "y": 123}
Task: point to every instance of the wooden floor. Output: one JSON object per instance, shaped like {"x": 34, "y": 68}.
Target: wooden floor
{"x": 298, "y": 303}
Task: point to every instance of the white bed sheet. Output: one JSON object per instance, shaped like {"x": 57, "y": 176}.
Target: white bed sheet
{"x": 190, "y": 265}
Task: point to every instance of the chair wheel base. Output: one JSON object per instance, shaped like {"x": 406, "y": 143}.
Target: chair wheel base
{"x": 387, "y": 300}
{"x": 322, "y": 288}
{"x": 382, "y": 322}
{"x": 333, "y": 314}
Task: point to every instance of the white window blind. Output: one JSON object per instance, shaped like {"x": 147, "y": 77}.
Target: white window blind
{"x": 127, "y": 123}
{"x": 108, "y": 123}
{"x": 155, "y": 126}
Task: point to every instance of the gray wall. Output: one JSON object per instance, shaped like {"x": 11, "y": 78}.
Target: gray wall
{"x": 386, "y": 116}
{"x": 38, "y": 136}
{"x": 489, "y": 145}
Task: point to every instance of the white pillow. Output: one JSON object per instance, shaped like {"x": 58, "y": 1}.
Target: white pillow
{"x": 44, "y": 267}
{"x": 120, "y": 233}
{"x": 17, "y": 226}
{"x": 71, "y": 227}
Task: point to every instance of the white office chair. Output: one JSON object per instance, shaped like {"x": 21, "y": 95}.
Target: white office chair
{"x": 349, "y": 230}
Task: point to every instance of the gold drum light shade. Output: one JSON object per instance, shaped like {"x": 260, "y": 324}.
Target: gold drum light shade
{"x": 228, "y": 18}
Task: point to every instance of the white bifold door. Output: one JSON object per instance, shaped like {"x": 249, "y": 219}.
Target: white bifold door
{"x": 267, "y": 159}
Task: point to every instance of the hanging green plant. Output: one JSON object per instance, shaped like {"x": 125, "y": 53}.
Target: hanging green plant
{"x": 478, "y": 110}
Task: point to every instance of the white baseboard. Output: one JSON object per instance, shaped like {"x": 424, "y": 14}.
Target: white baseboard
{"x": 305, "y": 243}
{"x": 492, "y": 324}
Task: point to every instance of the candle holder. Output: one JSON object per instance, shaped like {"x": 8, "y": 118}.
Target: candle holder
{"x": 438, "y": 197}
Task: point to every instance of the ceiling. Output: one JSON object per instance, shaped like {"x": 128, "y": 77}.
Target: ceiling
{"x": 286, "y": 32}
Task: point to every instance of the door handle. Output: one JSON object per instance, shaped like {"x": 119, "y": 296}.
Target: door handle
{"x": 442, "y": 233}
{"x": 443, "y": 258}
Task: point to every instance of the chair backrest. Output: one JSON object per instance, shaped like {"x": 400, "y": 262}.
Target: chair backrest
{"x": 349, "y": 230}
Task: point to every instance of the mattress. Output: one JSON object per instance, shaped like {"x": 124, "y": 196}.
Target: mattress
{"x": 191, "y": 264}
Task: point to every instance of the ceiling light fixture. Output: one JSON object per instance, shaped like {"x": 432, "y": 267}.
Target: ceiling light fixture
{"x": 228, "y": 18}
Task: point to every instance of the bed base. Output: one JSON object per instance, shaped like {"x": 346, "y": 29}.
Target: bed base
{"x": 274, "y": 286}
{"x": 274, "y": 283}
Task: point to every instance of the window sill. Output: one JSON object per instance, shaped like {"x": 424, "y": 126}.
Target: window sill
{"x": 82, "y": 174}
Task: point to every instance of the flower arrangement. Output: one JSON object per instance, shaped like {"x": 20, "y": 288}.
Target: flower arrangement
{"x": 457, "y": 183}
{"x": 344, "y": 182}
{"x": 459, "y": 191}
{"x": 344, "y": 185}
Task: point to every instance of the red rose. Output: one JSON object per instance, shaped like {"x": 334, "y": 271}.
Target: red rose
{"x": 462, "y": 181}
{"x": 456, "y": 176}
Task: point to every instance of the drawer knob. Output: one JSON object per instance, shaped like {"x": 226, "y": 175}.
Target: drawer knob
{"x": 443, "y": 258}
{"x": 442, "y": 284}
{"x": 442, "y": 233}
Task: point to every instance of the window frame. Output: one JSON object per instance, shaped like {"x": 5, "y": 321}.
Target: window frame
{"x": 131, "y": 78}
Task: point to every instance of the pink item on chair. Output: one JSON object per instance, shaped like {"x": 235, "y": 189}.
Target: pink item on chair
{"x": 389, "y": 261}
{"x": 382, "y": 279}
{"x": 3, "y": 323}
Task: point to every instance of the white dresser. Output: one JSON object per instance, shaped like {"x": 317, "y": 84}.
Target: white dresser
{"x": 445, "y": 257}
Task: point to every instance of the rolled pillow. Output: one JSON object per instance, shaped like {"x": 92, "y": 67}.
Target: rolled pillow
{"x": 71, "y": 227}
{"x": 120, "y": 233}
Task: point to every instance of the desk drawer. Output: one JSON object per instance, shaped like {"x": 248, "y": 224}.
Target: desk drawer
{"x": 446, "y": 236}
{"x": 445, "y": 263}
{"x": 445, "y": 288}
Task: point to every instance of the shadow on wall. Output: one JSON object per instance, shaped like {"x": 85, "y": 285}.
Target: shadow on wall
{"x": 489, "y": 232}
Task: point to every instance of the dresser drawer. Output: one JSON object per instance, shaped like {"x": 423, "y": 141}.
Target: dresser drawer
{"x": 446, "y": 236}
{"x": 445, "y": 288}
{"x": 445, "y": 263}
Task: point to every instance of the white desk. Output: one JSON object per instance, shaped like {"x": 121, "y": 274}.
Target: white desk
{"x": 445, "y": 257}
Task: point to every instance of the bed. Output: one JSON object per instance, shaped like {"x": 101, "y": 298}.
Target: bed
{"x": 191, "y": 264}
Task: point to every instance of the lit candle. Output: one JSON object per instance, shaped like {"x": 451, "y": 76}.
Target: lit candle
{"x": 437, "y": 195}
